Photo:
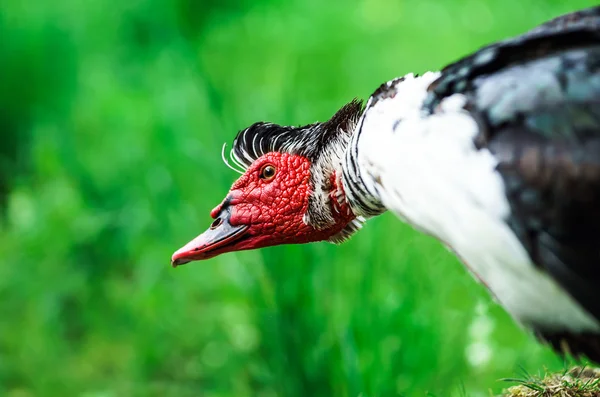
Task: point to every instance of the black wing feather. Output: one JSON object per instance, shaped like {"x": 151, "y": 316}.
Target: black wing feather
{"x": 537, "y": 100}
{"x": 575, "y": 30}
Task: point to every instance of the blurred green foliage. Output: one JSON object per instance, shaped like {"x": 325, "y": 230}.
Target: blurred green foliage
{"x": 113, "y": 115}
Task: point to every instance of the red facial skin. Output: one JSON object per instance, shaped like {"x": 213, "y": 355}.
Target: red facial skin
{"x": 272, "y": 210}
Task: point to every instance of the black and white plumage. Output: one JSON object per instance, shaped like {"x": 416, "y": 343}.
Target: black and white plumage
{"x": 497, "y": 156}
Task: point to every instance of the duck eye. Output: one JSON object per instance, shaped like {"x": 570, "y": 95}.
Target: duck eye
{"x": 267, "y": 172}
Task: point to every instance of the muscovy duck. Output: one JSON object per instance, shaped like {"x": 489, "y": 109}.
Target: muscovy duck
{"x": 497, "y": 156}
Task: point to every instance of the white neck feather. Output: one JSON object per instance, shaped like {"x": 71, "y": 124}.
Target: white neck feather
{"x": 426, "y": 169}
{"x": 394, "y": 101}
{"x": 328, "y": 163}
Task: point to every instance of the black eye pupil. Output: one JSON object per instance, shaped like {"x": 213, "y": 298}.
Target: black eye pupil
{"x": 268, "y": 172}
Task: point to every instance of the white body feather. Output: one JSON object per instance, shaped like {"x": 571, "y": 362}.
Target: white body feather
{"x": 428, "y": 172}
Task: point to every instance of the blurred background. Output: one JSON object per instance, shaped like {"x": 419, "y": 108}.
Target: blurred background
{"x": 113, "y": 114}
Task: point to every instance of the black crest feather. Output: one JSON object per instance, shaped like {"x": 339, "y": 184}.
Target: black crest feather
{"x": 308, "y": 140}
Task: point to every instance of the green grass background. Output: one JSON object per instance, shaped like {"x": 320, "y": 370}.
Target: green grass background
{"x": 112, "y": 116}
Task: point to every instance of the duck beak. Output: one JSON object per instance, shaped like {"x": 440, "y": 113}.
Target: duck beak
{"x": 218, "y": 239}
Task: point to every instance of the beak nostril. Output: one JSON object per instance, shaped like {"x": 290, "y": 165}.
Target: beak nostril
{"x": 217, "y": 222}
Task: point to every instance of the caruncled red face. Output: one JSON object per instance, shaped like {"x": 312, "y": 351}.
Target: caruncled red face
{"x": 264, "y": 207}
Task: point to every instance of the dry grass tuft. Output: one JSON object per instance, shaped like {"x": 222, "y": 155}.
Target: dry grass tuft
{"x": 578, "y": 382}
